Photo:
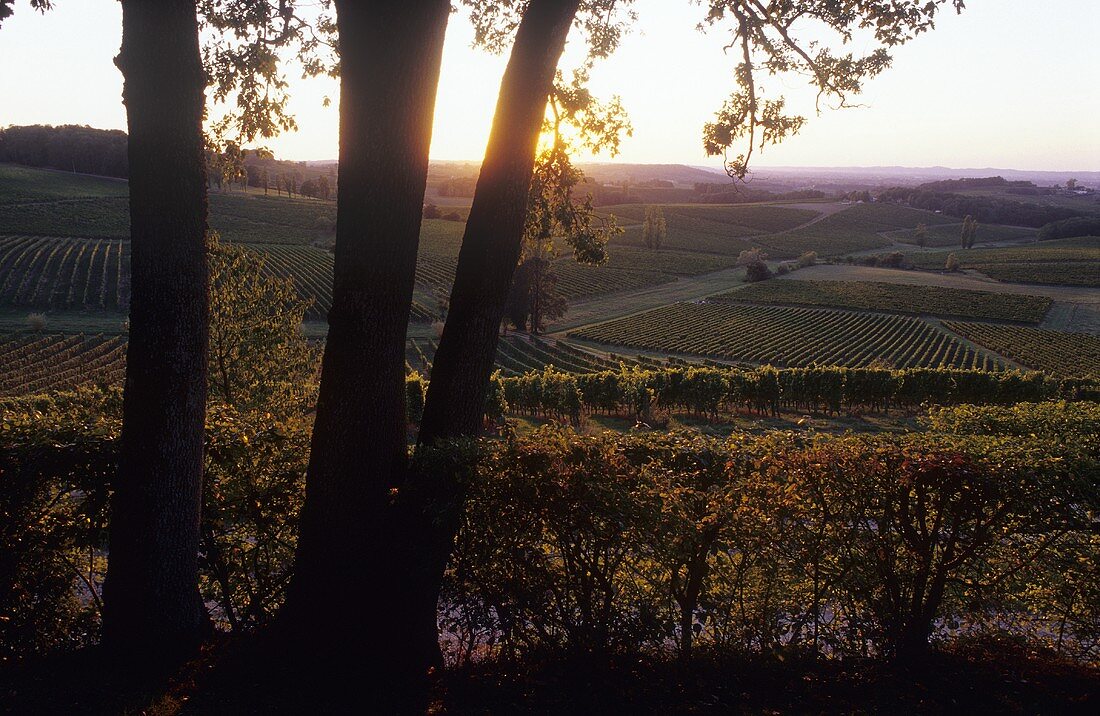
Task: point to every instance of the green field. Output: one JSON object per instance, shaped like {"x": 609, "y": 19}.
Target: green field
{"x": 895, "y": 297}
{"x": 23, "y": 184}
{"x": 786, "y": 336}
{"x": 1085, "y": 248}
{"x": 1068, "y": 262}
{"x": 1075, "y": 355}
{"x": 711, "y": 229}
{"x": 857, "y": 228}
{"x": 948, "y": 234}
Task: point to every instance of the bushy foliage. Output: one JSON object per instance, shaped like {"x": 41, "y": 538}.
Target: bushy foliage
{"x": 644, "y": 542}
{"x": 258, "y": 356}
{"x": 839, "y": 546}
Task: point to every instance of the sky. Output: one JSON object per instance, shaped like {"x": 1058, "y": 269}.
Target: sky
{"x": 1008, "y": 84}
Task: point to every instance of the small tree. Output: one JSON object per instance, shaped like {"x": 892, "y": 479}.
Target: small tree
{"x": 969, "y": 231}
{"x": 258, "y": 356}
{"x": 756, "y": 268}
{"x": 920, "y": 235}
{"x": 655, "y": 228}
{"x": 807, "y": 259}
{"x": 952, "y": 262}
{"x": 431, "y": 211}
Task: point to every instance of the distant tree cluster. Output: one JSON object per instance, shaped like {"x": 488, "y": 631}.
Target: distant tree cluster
{"x": 459, "y": 186}
{"x": 988, "y": 210}
{"x": 1068, "y": 228}
{"x": 70, "y": 147}
{"x": 974, "y": 183}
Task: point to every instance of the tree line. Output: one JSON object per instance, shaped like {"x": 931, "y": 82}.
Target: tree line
{"x": 70, "y": 148}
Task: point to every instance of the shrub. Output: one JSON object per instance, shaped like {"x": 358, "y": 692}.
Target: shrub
{"x": 37, "y": 322}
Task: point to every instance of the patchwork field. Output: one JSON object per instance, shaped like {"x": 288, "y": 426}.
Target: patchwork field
{"x": 857, "y": 228}
{"x": 893, "y": 297}
{"x": 791, "y": 337}
{"x": 1072, "y": 355}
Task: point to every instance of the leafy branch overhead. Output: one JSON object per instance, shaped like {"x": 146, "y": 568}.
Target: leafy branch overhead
{"x": 246, "y": 43}
{"x": 769, "y": 36}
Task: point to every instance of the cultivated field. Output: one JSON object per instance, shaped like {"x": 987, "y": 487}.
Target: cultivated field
{"x": 64, "y": 273}
{"x": 711, "y": 229}
{"x": 1064, "y": 262}
{"x": 30, "y": 363}
{"x": 1065, "y": 354}
{"x": 793, "y": 337}
{"x": 900, "y": 298}
{"x": 857, "y": 228}
{"x": 949, "y": 234}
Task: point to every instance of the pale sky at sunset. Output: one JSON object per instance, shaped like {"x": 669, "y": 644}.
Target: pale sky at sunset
{"x": 1009, "y": 84}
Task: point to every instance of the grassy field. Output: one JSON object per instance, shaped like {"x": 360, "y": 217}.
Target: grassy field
{"x": 856, "y": 228}
{"x": 896, "y": 297}
{"x": 1074, "y": 355}
{"x": 24, "y": 184}
{"x": 786, "y": 336}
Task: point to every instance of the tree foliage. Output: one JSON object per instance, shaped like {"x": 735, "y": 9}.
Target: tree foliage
{"x": 766, "y": 36}
{"x": 258, "y": 356}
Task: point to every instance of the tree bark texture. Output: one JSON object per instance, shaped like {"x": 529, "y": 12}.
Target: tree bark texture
{"x": 390, "y": 55}
{"x": 152, "y": 608}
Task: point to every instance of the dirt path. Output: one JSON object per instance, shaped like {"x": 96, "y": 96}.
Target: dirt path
{"x": 1075, "y": 308}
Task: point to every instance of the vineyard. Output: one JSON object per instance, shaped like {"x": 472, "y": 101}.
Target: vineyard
{"x": 856, "y": 228}
{"x": 520, "y": 354}
{"x": 1065, "y": 354}
{"x": 896, "y": 297}
{"x": 950, "y": 234}
{"x": 711, "y": 229}
{"x": 33, "y": 364}
{"x": 786, "y": 336}
{"x": 64, "y": 273}
{"x": 1056, "y": 274}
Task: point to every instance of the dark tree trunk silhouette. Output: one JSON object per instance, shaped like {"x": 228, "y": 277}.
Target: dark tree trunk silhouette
{"x": 494, "y": 232}
{"x": 390, "y": 56}
{"x": 152, "y": 608}
{"x": 430, "y": 504}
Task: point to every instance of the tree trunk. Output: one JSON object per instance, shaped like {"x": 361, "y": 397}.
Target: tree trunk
{"x": 430, "y": 504}
{"x": 494, "y": 231}
{"x": 152, "y": 608}
{"x": 390, "y": 55}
